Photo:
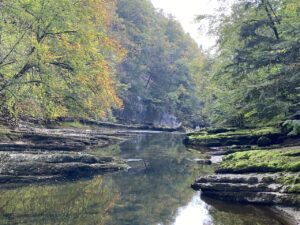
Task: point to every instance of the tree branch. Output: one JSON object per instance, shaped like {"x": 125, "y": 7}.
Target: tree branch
{"x": 148, "y": 80}
{"x": 272, "y": 24}
{"x": 39, "y": 39}
{"x": 13, "y": 48}
{"x": 8, "y": 63}
{"x": 63, "y": 65}
{"x": 61, "y": 32}
{"x": 277, "y": 20}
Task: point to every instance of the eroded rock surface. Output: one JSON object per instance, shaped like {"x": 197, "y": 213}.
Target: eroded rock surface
{"x": 253, "y": 167}
{"x": 37, "y": 153}
{"x": 35, "y": 138}
{"x": 232, "y": 136}
{"x": 248, "y": 188}
{"x": 62, "y": 164}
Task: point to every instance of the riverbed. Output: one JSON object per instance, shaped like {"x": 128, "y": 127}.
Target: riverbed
{"x": 155, "y": 190}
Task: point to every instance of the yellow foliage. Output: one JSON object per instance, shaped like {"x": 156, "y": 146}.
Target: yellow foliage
{"x": 67, "y": 56}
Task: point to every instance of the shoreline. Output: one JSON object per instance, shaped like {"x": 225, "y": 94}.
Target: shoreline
{"x": 32, "y": 152}
{"x": 265, "y": 175}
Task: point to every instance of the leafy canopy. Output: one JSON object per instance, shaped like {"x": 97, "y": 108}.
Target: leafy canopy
{"x": 255, "y": 74}
{"x": 57, "y": 59}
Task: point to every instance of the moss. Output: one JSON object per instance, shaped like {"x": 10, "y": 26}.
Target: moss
{"x": 292, "y": 153}
{"x": 261, "y": 161}
{"x": 287, "y": 180}
{"x": 294, "y": 188}
{"x": 290, "y": 180}
{"x": 294, "y": 166}
{"x": 232, "y": 136}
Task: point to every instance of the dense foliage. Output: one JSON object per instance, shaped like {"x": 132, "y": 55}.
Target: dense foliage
{"x": 56, "y": 59}
{"x": 87, "y": 57}
{"x": 254, "y": 77}
{"x": 61, "y": 58}
{"x": 158, "y": 69}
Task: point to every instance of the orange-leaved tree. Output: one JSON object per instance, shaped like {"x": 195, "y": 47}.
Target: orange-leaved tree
{"x": 57, "y": 59}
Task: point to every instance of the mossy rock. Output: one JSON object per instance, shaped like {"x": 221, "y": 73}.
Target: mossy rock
{"x": 290, "y": 180}
{"x": 261, "y": 161}
{"x": 294, "y": 188}
{"x": 232, "y": 136}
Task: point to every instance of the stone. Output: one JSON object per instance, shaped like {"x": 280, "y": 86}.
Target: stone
{"x": 228, "y": 137}
{"x": 246, "y": 188}
{"x": 46, "y": 164}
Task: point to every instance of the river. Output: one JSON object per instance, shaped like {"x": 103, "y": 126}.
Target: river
{"x": 154, "y": 191}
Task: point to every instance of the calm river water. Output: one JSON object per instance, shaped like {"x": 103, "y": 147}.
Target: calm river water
{"x": 155, "y": 191}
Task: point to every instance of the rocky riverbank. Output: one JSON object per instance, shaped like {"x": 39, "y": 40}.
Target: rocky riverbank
{"x": 267, "y": 188}
{"x": 255, "y": 168}
{"x": 262, "y": 137}
{"x": 56, "y": 163}
{"x": 35, "y": 152}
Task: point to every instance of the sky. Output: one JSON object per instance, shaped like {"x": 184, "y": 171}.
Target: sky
{"x": 185, "y": 11}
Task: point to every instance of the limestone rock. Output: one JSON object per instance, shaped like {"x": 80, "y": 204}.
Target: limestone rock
{"x": 47, "y": 164}
{"x": 247, "y": 188}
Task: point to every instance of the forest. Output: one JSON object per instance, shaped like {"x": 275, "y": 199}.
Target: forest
{"x": 254, "y": 77}
{"x": 124, "y": 60}
{"x": 97, "y": 60}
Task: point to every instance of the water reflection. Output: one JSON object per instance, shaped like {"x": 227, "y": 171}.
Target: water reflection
{"x": 158, "y": 184}
{"x": 195, "y": 213}
{"x": 81, "y": 202}
{"x": 156, "y": 191}
{"x": 225, "y": 213}
{"x": 207, "y": 211}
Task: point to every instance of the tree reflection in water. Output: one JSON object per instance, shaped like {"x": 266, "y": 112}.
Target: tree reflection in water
{"x": 81, "y": 202}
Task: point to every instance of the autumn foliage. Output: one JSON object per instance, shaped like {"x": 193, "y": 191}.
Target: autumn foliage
{"x": 56, "y": 59}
